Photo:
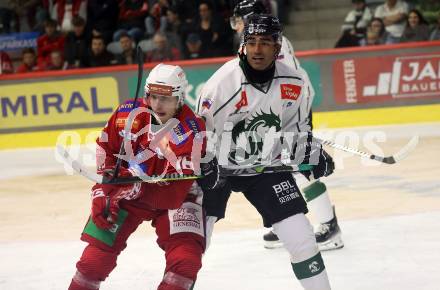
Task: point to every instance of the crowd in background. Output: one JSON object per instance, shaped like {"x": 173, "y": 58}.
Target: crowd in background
{"x": 94, "y": 33}
{"x": 394, "y": 21}
{"x": 81, "y": 33}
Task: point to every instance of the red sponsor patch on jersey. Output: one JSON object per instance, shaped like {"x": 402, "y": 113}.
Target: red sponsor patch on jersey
{"x": 243, "y": 101}
{"x": 290, "y": 92}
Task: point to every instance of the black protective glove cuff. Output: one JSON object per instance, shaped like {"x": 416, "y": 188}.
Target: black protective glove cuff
{"x": 210, "y": 172}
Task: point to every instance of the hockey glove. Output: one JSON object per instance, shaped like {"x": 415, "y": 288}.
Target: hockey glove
{"x": 210, "y": 172}
{"x": 106, "y": 197}
{"x": 325, "y": 167}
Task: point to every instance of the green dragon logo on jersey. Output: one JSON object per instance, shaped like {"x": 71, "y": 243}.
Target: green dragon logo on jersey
{"x": 253, "y": 131}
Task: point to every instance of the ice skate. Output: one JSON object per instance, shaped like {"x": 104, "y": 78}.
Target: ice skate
{"x": 328, "y": 235}
{"x": 271, "y": 241}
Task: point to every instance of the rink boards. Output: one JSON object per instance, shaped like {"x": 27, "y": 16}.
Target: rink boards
{"x": 368, "y": 86}
{"x": 336, "y": 119}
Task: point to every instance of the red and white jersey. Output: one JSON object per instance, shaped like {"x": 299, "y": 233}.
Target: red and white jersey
{"x": 179, "y": 140}
{"x": 247, "y": 114}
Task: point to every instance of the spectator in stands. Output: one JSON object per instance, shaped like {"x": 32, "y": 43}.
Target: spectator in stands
{"x": 435, "y": 34}
{"x": 56, "y": 61}
{"x": 101, "y": 15}
{"x": 376, "y": 33}
{"x": 31, "y": 14}
{"x": 224, "y": 10}
{"x": 98, "y": 56}
{"x": 63, "y": 12}
{"x": 29, "y": 61}
{"x": 162, "y": 50}
{"x": 416, "y": 28}
{"x": 355, "y": 24}
{"x": 76, "y": 44}
{"x": 6, "y": 66}
{"x": 211, "y": 30}
{"x": 193, "y": 47}
{"x": 283, "y": 11}
{"x": 187, "y": 10}
{"x": 48, "y": 42}
{"x": 131, "y": 19}
{"x": 7, "y": 18}
{"x": 174, "y": 31}
{"x": 429, "y": 9}
{"x": 393, "y": 13}
{"x": 128, "y": 55}
{"x": 157, "y": 18}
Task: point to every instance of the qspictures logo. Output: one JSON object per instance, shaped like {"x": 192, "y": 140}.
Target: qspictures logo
{"x": 378, "y": 79}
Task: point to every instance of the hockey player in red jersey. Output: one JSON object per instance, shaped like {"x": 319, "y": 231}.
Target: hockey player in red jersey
{"x": 174, "y": 207}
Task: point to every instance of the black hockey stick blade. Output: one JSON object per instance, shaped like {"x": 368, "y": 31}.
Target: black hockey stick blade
{"x": 402, "y": 154}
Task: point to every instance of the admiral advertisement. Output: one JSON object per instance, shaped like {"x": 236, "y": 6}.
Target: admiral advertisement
{"x": 387, "y": 78}
{"x": 58, "y": 103}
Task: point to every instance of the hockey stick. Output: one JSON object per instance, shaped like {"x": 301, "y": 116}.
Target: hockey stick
{"x": 82, "y": 170}
{"x": 264, "y": 169}
{"x": 95, "y": 177}
{"x": 127, "y": 128}
{"x": 392, "y": 159}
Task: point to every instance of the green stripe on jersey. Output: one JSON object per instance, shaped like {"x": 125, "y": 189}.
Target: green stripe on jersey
{"x": 308, "y": 268}
{"x": 314, "y": 190}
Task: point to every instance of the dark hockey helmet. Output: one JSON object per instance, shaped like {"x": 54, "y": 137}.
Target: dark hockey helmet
{"x": 262, "y": 24}
{"x": 246, "y": 8}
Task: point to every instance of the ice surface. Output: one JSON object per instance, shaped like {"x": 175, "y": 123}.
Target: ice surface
{"x": 389, "y": 218}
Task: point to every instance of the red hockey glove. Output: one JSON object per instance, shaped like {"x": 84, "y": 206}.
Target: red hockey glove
{"x": 104, "y": 208}
{"x": 106, "y": 197}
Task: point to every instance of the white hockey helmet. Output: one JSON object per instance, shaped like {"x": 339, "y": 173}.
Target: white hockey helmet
{"x": 167, "y": 80}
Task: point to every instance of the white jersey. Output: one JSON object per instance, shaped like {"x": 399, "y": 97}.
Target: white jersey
{"x": 287, "y": 56}
{"x": 251, "y": 118}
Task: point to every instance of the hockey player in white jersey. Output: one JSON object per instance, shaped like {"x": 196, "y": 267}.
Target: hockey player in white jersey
{"x": 257, "y": 107}
{"x": 327, "y": 232}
